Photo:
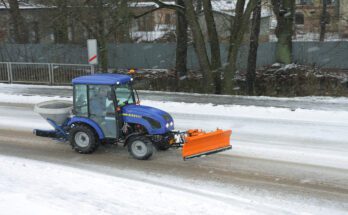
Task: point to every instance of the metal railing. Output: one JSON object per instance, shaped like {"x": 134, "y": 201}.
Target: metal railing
{"x": 4, "y": 72}
{"x": 42, "y": 73}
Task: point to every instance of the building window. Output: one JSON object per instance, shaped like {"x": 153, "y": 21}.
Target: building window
{"x": 299, "y": 18}
{"x": 330, "y": 2}
{"x": 304, "y": 2}
{"x": 167, "y": 19}
{"x": 34, "y": 32}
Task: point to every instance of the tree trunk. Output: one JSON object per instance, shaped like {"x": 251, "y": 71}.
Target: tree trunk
{"x": 284, "y": 11}
{"x": 254, "y": 44}
{"x": 239, "y": 26}
{"x": 200, "y": 47}
{"x": 337, "y": 9}
{"x": 323, "y": 21}
{"x": 235, "y": 24}
{"x": 181, "y": 42}
{"x": 20, "y": 30}
{"x": 214, "y": 44}
{"x": 101, "y": 37}
{"x": 61, "y": 22}
{"x": 124, "y": 28}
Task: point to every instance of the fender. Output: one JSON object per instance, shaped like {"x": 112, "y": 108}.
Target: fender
{"x": 89, "y": 122}
{"x": 129, "y": 136}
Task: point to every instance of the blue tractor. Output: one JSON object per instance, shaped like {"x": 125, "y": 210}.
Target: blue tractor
{"x": 106, "y": 109}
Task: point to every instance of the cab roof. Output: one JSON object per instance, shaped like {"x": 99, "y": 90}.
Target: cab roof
{"x": 102, "y": 79}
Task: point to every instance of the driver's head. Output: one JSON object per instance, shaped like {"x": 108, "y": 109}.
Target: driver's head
{"x": 103, "y": 91}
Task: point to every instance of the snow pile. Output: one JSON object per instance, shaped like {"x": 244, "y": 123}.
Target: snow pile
{"x": 140, "y": 36}
{"x": 22, "y": 99}
{"x": 250, "y": 111}
{"x": 43, "y": 188}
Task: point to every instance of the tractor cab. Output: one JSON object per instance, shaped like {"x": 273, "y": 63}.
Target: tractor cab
{"x": 100, "y": 99}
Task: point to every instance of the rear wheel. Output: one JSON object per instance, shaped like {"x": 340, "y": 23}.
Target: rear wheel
{"x": 140, "y": 147}
{"x": 83, "y": 139}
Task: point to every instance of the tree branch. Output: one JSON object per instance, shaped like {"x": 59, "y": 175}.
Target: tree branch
{"x": 5, "y": 5}
{"x": 145, "y": 13}
{"x": 176, "y": 7}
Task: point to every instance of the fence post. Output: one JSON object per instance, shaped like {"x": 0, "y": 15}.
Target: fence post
{"x": 9, "y": 72}
{"x": 50, "y": 74}
{"x": 92, "y": 69}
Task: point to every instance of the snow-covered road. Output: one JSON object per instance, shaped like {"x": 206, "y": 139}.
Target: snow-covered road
{"x": 283, "y": 162}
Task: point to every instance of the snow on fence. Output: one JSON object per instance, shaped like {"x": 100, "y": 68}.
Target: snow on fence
{"x": 42, "y": 73}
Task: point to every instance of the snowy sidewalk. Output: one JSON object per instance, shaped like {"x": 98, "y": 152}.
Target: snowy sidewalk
{"x": 315, "y": 103}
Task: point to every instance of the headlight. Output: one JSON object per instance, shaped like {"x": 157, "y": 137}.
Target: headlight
{"x": 171, "y": 123}
{"x": 167, "y": 125}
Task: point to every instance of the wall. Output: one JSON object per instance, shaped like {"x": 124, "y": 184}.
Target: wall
{"x": 162, "y": 55}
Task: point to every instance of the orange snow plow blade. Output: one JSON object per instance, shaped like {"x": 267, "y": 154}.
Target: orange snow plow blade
{"x": 199, "y": 143}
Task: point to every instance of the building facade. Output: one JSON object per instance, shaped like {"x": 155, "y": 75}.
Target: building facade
{"x": 343, "y": 24}
{"x": 308, "y": 18}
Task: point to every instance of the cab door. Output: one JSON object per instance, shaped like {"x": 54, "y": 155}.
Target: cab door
{"x": 102, "y": 109}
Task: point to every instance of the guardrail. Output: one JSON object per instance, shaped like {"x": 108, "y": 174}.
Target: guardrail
{"x": 42, "y": 73}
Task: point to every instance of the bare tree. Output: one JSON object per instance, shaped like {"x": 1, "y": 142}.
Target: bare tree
{"x": 181, "y": 41}
{"x": 284, "y": 11}
{"x": 188, "y": 10}
{"x": 123, "y": 34}
{"x": 323, "y": 21}
{"x": 101, "y": 19}
{"x": 200, "y": 46}
{"x": 254, "y": 44}
{"x": 239, "y": 25}
{"x": 19, "y": 27}
{"x": 214, "y": 44}
{"x": 60, "y": 22}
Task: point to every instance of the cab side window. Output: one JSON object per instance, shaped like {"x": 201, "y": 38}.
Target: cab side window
{"x": 80, "y": 100}
{"x": 100, "y": 103}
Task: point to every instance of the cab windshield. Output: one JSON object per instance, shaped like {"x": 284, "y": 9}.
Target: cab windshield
{"x": 124, "y": 94}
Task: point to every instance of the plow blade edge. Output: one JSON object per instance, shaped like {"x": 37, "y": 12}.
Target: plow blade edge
{"x": 199, "y": 143}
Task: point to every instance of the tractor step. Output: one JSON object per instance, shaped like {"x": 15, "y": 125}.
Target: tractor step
{"x": 45, "y": 133}
{"x": 199, "y": 143}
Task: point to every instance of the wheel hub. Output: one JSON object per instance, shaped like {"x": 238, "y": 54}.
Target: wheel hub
{"x": 139, "y": 148}
{"x": 81, "y": 139}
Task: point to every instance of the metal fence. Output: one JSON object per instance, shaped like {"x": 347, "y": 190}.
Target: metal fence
{"x": 42, "y": 73}
{"x": 4, "y": 72}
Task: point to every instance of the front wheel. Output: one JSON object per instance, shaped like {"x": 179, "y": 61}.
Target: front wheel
{"x": 140, "y": 147}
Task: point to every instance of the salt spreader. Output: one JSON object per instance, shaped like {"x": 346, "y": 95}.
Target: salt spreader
{"x": 106, "y": 109}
